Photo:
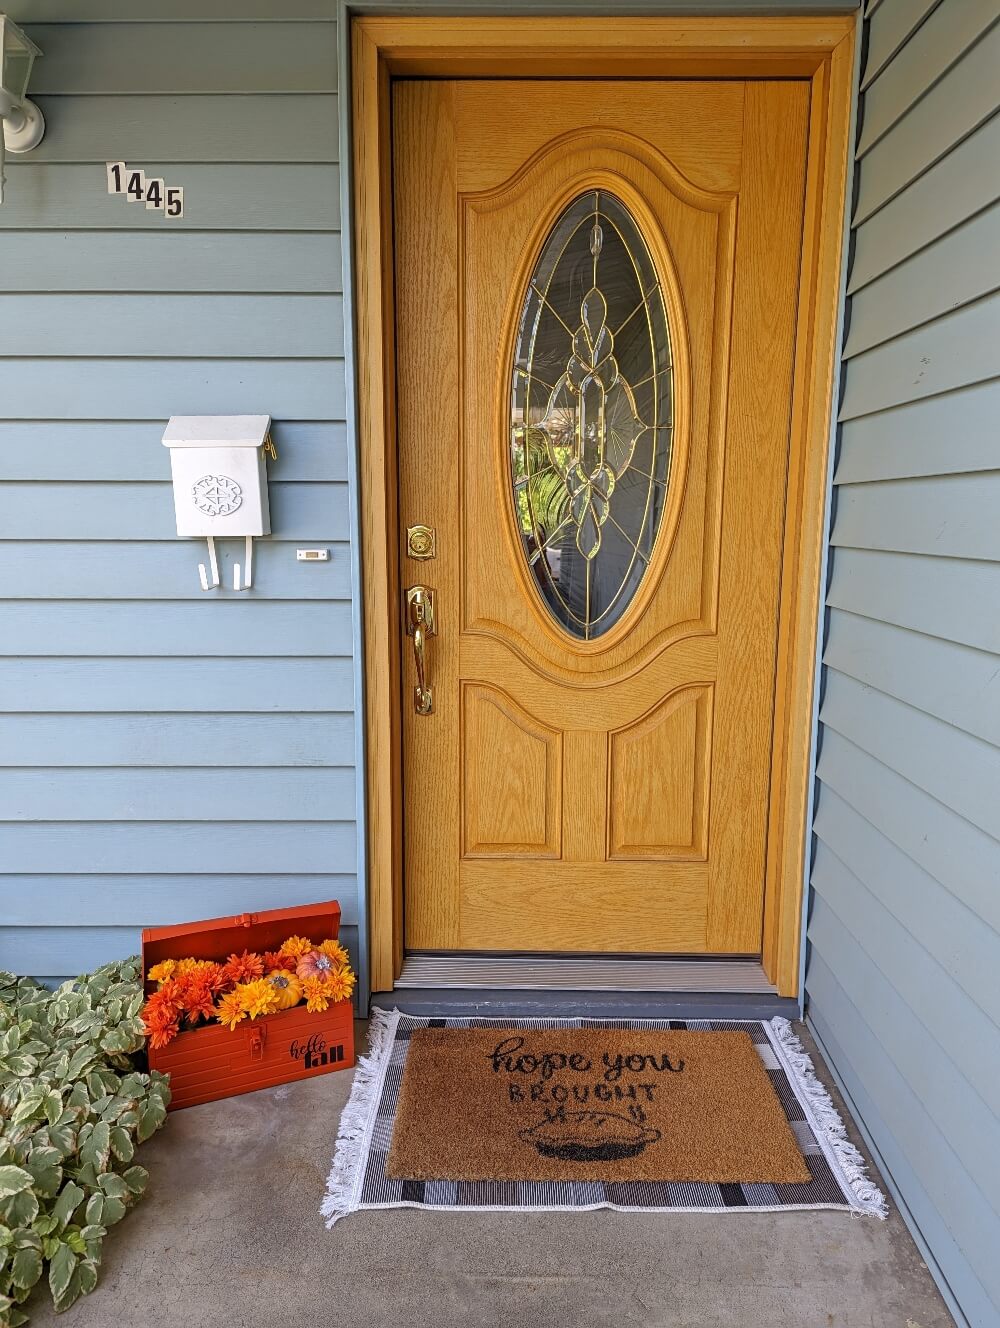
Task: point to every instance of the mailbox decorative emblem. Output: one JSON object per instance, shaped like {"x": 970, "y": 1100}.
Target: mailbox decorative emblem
{"x": 217, "y": 495}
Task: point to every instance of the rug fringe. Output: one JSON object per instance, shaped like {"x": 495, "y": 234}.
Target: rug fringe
{"x": 356, "y": 1122}
{"x": 827, "y": 1120}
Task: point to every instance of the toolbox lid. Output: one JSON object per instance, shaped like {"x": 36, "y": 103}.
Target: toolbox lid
{"x": 218, "y": 938}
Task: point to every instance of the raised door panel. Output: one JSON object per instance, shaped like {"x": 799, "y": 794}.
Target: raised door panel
{"x": 658, "y": 780}
{"x": 511, "y": 778}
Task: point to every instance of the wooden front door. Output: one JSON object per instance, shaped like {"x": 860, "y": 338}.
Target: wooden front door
{"x": 596, "y": 288}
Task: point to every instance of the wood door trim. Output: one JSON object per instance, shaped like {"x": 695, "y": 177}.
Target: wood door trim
{"x": 819, "y": 49}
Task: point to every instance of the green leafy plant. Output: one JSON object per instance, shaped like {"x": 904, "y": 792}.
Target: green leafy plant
{"x": 73, "y": 1107}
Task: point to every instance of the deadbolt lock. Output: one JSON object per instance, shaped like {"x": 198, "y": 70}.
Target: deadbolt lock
{"x": 421, "y": 542}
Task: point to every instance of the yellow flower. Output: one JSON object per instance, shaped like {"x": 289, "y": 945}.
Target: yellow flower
{"x": 317, "y": 997}
{"x": 160, "y": 972}
{"x": 336, "y": 952}
{"x": 340, "y": 984}
{"x": 257, "y": 998}
{"x": 230, "y": 1009}
{"x": 297, "y": 945}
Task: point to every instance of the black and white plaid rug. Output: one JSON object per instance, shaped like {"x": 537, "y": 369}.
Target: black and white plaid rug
{"x": 358, "y": 1178}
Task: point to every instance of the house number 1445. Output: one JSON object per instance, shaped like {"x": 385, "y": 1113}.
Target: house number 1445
{"x": 134, "y": 185}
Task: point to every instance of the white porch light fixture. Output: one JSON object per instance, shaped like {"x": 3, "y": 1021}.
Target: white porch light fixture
{"x": 23, "y": 123}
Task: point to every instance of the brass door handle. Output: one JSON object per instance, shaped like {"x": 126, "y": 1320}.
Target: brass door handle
{"x": 420, "y": 625}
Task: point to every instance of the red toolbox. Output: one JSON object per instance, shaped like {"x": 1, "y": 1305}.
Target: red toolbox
{"x": 213, "y": 1062}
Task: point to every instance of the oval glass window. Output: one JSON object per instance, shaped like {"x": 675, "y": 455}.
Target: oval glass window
{"x": 591, "y": 415}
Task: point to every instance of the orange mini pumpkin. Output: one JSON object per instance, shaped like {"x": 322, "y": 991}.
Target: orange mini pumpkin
{"x": 287, "y": 988}
{"x": 315, "y": 964}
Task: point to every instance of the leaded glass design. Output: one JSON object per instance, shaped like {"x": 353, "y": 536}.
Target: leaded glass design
{"x": 591, "y": 414}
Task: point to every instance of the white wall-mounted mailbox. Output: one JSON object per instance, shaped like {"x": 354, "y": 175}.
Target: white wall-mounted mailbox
{"x": 220, "y": 483}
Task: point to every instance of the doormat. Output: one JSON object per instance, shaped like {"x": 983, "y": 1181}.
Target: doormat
{"x": 541, "y": 1114}
{"x": 596, "y": 1104}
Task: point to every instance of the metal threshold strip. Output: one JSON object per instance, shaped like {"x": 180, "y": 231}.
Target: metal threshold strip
{"x": 582, "y": 973}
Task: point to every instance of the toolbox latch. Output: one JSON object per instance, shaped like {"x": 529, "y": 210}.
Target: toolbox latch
{"x": 255, "y": 1038}
{"x": 246, "y": 919}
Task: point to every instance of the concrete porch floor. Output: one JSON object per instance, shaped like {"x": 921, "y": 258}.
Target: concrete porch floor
{"x": 229, "y": 1236}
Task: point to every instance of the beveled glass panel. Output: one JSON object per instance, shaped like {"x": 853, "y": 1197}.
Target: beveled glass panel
{"x": 591, "y": 415}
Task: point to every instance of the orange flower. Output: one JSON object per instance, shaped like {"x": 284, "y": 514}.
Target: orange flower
{"x": 185, "y": 967}
{"x": 160, "y": 1037}
{"x": 198, "y": 998}
{"x": 230, "y": 1009}
{"x": 317, "y": 997}
{"x": 258, "y": 998}
{"x": 340, "y": 984}
{"x": 297, "y": 945}
{"x": 336, "y": 952}
{"x": 161, "y": 1017}
{"x": 274, "y": 960}
{"x": 246, "y": 967}
{"x": 160, "y": 972}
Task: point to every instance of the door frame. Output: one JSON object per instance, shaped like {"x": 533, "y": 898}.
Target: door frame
{"x": 818, "y": 49}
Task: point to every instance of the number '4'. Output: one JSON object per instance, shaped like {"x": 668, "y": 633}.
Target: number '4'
{"x": 136, "y": 186}
{"x": 154, "y": 195}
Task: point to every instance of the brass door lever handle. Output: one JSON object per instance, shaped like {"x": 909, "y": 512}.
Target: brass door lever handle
{"x": 420, "y": 624}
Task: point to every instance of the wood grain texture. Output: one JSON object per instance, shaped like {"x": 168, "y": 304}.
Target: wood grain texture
{"x": 665, "y": 816}
{"x": 442, "y": 48}
{"x": 511, "y": 779}
{"x": 812, "y": 407}
{"x": 654, "y": 790}
{"x": 377, "y": 471}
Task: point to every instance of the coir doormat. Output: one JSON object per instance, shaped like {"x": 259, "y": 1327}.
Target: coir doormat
{"x": 581, "y": 1114}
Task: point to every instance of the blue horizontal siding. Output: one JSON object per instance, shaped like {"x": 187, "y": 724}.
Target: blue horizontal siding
{"x": 65, "y": 450}
{"x": 168, "y": 754}
{"x": 212, "y": 686}
{"x": 57, "y": 511}
{"x": 149, "y": 900}
{"x": 73, "y": 950}
{"x": 100, "y": 389}
{"x": 177, "y": 740}
{"x": 904, "y": 924}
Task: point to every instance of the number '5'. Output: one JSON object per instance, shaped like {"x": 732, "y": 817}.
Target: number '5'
{"x": 174, "y": 201}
